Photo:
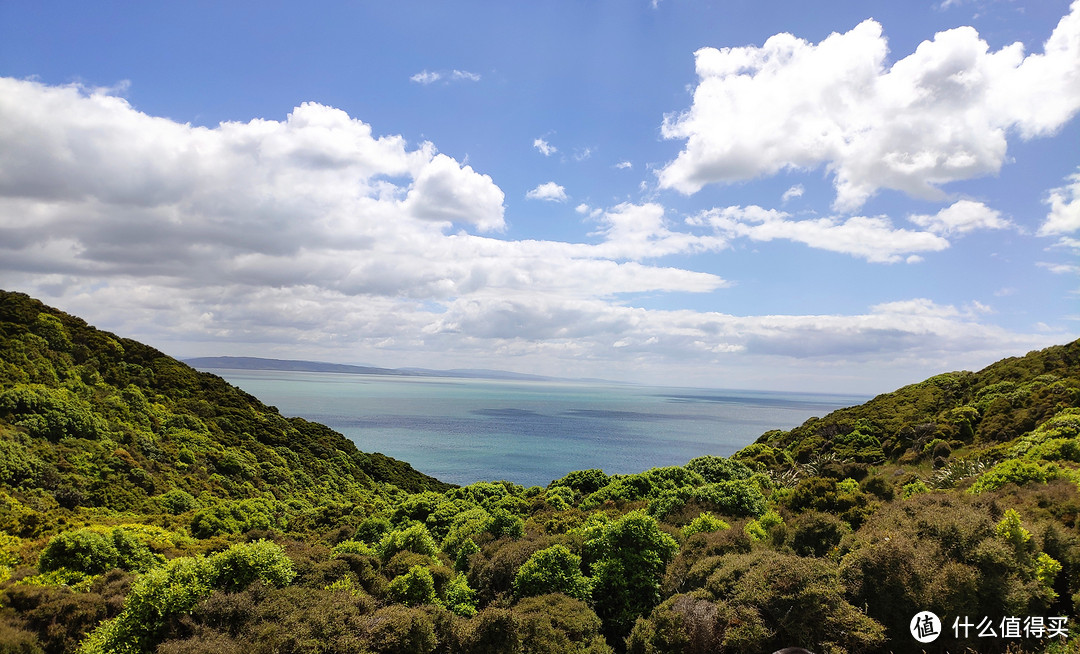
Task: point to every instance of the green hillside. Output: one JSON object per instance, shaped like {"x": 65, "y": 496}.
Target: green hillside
{"x": 147, "y": 507}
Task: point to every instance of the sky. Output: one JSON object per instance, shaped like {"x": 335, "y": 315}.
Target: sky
{"x": 838, "y": 197}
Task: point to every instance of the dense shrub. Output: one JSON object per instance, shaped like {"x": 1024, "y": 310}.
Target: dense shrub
{"x": 177, "y": 587}
{"x": 558, "y": 624}
{"x": 552, "y": 570}
{"x": 83, "y": 550}
{"x": 800, "y": 601}
{"x": 632, "y": 555}
{"x": 414, "y": 539}
{"x": 816, "y": 534}
{"x": 716, "y": 469}
{"x": 705, "y": 523}
{"x": 413, "y": 588}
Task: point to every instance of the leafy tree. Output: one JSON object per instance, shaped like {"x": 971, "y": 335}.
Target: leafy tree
{"x": 552, "y": 570}
{"x": 633, "y": 554}
{"x": 176, "y": 501}
{"x": 583, "y": 482}
{"x": 460, "y": 598}
{"x": 244, "y": 563}
{"x": 413, "y": 588}
{"x": 414, "y": 539}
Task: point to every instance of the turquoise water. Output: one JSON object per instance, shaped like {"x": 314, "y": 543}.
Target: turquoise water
{"x": 530, "y": 432}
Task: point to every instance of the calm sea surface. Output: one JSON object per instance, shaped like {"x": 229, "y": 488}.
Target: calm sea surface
{"x": 530, "y": 432}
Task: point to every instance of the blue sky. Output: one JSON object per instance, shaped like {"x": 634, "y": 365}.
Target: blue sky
{"x": 778, "y": 195}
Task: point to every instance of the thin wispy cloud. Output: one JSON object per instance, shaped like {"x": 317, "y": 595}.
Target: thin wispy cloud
{"x": 427, "y": 77}
{"x": 544, "y": 147}
{"x": 795, "y": 191}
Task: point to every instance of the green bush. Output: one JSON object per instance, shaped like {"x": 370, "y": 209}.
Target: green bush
{"x": 800, "y": 601}
{"x": 583, "y": 482}
{"x": 50, "y": 413}
{"x": 1011, "y": 471}
{"x": 413, "y": 588}
{"x": 733, "y": 498}
{"x": 244, "y": 563}
{"x": 178, "y": 586}
{"x": 557, "y": 624}
{"x": 816, "y": 534}
{"x": 176, "y": 501}
{"x": 552, "y": 570}
{"x": 716, "y": 468}
{"x": 633, "y": 554}
{"x": 83, "y": 550}
{"x": 352, "y": 547}
{"x": 705, "y": 523}
{"x": 414, "y": 539}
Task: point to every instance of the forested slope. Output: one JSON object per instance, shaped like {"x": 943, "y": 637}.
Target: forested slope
{"x": 145, "y": 507}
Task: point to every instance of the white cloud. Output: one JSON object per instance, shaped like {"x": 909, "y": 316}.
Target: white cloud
{"x": 548, "y": 191}
{"x": 445, "y": 191}
{"x": 1064, "y": 216}
{"x": 544, "y": 147}
{"x": 313, "y": 237}
{"x": 586, "y": 210}
{"x": 871, "y": 238}
{"x": 961, "y": 217}
{"x": 795, "y": 191}
{"x": 1067, "y": 242}
{"x": 623, "y": 165}
{"x": 938, "y": 115}
{"x": 426, "y": 77}
{"x": 640, "y": 231}
{"x": 1060, "y": 268}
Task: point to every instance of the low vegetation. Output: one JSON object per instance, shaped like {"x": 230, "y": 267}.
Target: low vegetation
{"x": 147, "y": 507}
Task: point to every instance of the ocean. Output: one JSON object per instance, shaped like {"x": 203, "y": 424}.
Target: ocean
{"x": 530, "y": 432}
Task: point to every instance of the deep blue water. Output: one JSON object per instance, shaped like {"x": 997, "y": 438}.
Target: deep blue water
{"x": 529, "y": 432}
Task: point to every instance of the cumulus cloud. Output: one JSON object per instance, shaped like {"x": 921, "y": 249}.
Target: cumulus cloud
{"x": 549, "y": 191}
{"x": 961, "y": 217}
{"x": 941, "y": 114}
{"x": 544, "y": 147}
{"x": 624, "y": 165}
{"x": 315, "y": 237}
{"x": 1064, "y": 216}
{"x": 872, "y": 238}
{"x": 445, "y": 191}
{"x": 635, "y": 231}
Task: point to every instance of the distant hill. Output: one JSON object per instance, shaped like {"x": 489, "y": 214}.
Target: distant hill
{"x": 258, "y": 363}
